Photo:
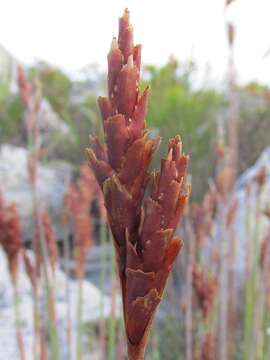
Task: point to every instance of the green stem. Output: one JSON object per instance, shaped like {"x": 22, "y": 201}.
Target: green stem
{"x": 19, "y": 337}
{"x": 79, "y": 320}
{"x": 49, "y": 292}
{"x": 102, "y": 261}
{"x": 251, "y": 287}
{"x": 112, "y": 322}
{"x": 36, "y": 318}
{"x": 67, "y": 273}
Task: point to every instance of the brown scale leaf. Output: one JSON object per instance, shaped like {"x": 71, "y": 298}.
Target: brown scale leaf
{"x": 116, "y": 135}
{"x": 126, "y": 89}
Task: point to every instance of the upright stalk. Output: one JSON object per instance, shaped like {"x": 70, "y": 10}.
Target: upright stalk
{"x": 102, "y": 262}
{"x": 31, "y": 96}
{"x": 16, "y": 303}
{"x": 79, "y": 319}
{"x": 36, "y": 319}
{"x": 188, "y": 328}
{"x": 250, "y": 343}
{"x": 49, "y": 294}
{"x": 67, "y": 258}
{"x": 112, "y": 319}
{"x": 223, "y": 287}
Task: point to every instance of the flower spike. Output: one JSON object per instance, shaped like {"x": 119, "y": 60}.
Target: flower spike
{"x": 143, "y": 226}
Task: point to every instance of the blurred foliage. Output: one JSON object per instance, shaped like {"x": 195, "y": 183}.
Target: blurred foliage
{"x": 56, "y": 87}
{"x": 176, "y": 108}
{"x": 74, "y": 104}
{"x": 11, "y": 110}
{"x": 254, "y": 123}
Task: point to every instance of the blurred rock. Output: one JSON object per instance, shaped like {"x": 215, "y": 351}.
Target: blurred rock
{"x": 92, "y": 298}
{"x": 53, "y": 130}
{"x": 49, "y": 121}
{"x": 14, "y": 183}
{"x": 248, "y": 203}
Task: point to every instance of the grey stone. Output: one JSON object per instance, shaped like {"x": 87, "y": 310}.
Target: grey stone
{"x": 15, "y": 186}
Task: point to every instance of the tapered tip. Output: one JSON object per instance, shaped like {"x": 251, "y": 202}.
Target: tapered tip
{"x": 130, "y": 63}
{"x": 125, "y": 15}
{"x": 114, "y": 44}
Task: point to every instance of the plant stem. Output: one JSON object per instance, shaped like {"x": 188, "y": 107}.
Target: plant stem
{"x": 36, "y": 318}
{"x": 18, "y": 324}
{"x": 189, "y": 292}
{"x": 112, "y": 335}
{"x": 34, "y": 146}
{"x": 67, "y": 272}
{"x": 251, "y": 288}
{"x": 79, "y": 319}
{"x": 53, "y": 335}
{"x": 102, "y": 261}
{"x": 223, "y": 285}
{"x": 136, "y": 352}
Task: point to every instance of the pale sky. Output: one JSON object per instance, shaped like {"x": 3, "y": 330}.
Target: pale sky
{"x": 74, "y": 33}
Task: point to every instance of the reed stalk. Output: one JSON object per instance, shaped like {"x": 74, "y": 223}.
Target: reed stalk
{"x": 79, "y": 351}
{"x": 49, "y": 295}
{"x": 36, "y": 319}
{"x": 248, "y": 283}
{"x": 67, "y": 259}
{"x": 223, "y": 287}
{"x": 189, "y": 320}
{"x": 102, "y": 262}
{"x": 260, "y": 329}
{"x": 251, "y": 343}
{"x": 31, "y": 96}
{"x": 18, "y": 324}
{"x": 112, "y": 318}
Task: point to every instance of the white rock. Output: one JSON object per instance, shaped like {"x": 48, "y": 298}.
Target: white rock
{"x": 14, "y": 183}
{"x": 91, "y": 310}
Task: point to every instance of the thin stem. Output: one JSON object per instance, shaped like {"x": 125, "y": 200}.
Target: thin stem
{"x": 68, "y": 299}
{"x": 36, "y": 317}
{"x": 79, "y": 319}
{"x": 188, "y": 327}
{"x": 223, "y": 286}
{"x": 248, "y": 285}
{"x": 112, "y": 337}
{"x": 49, "y": 293}
{"x": 102, "y": 261}
{"x": 249, "y": 350}
{"x": 34, "y": 145}
{"x": 18, "y": 324}
{"x": 136, "y": 352}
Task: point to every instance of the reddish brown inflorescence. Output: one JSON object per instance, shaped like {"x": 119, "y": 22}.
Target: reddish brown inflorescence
{"x": 142, "y": 226}
{"x": 205, "y": 288}
{"x": 78, "y": 200}
{"x": 202, "y": 217}
{"x": 10, "y": 237}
